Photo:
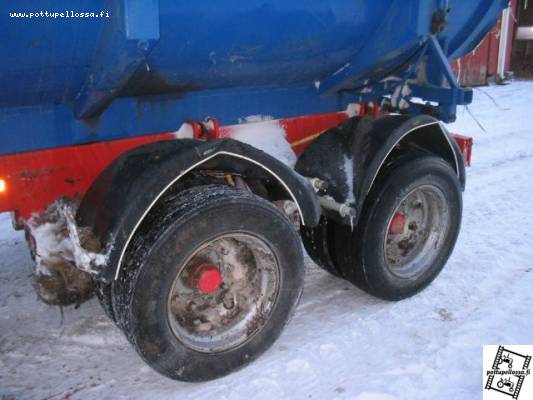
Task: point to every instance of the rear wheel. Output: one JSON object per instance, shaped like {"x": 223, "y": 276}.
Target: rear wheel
{"x": 210, "y": 284}
{"x": 103, "y": 289}
{"x": 407, "y": 231}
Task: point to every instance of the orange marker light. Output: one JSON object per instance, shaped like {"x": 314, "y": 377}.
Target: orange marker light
{"x": 3, "y": 186}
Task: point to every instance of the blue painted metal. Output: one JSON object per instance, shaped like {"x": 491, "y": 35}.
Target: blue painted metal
{"x": 123, "y": 46}
{"x": 156, "y": 63}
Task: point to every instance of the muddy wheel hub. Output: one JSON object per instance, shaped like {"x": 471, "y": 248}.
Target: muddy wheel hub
{"x": 416, "y": 231}
{"x": 224, "y": 293}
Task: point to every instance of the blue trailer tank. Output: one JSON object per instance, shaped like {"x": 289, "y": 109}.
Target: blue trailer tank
{"x": 74, "y": 72}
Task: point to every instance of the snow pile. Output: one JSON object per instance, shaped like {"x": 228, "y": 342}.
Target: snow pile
{"x": 255, "y": 118}
{"x": 185, "y": 132}
{"x": 353, "y": 110}
{"x": 268, "y": 136}
{"x": 260, "y": 131}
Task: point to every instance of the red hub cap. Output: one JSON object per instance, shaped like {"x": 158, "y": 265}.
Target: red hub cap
{"x": 206, "y": 278}
{"x": 397, "y": 225}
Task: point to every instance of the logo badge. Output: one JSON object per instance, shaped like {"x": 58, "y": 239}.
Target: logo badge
{"x": 507, "y": 372}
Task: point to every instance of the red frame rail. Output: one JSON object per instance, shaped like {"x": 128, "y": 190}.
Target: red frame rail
{"x": 29, "y": 182}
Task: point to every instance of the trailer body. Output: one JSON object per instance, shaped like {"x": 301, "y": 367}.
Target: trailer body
{"x": 122, "y": 126}
{"x": 139, "y": 70}
{"x": 145, "y": 67}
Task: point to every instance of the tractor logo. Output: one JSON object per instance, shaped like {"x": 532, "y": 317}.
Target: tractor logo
{"x": 508, "y": 373}
{"x": 506, "y": 358}
{"x": 506, "y": 383}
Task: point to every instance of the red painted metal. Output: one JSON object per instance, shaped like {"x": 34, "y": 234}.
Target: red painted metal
{"x": 198, "y": 130}
{"x": 300, "y": 131}
{"x": 213, "y": 127}
{"x": 465, "y": 144}
{"x": 206, "y": 278}
{"x": 397, "y": 224}
{"x": 34, "y": 180}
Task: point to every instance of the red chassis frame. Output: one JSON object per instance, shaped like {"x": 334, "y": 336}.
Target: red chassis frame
{"x": 33, "y": 180}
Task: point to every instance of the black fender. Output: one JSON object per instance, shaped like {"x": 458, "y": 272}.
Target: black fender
{"x": 128, "y": 190}
{"x": 351, "y": 156}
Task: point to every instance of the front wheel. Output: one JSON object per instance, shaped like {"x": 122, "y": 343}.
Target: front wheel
{"x": 209, "y": 283}
{"x": 408, "y": 229}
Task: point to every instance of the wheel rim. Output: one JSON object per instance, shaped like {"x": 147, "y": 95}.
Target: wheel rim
{"x": 416, "y": 230}
{"x": 224, "y": 294}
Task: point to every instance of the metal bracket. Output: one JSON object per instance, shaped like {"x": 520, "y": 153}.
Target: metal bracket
{"x": 429, "y": 78}
{"x": 344, "y": 210}
{"x": 445, "y": 90}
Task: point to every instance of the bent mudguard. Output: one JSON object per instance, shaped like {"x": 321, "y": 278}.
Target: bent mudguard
{"x": 124, "y": 194}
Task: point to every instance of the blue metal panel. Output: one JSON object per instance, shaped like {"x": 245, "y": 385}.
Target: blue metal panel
{"x": 153, "y": 64}
{"x": 121, "y": 50}
{"x": 385, "y": 56}
{"x": 141, "y": 19}
{"x": 58, "y": 127}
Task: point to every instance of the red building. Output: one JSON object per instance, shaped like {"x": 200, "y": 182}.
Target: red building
{"x": 491, "y": 60}
{"x": 522, "y": 56}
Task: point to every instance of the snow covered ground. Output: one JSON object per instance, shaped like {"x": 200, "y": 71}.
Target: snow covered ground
{"x": 342, "y": 343}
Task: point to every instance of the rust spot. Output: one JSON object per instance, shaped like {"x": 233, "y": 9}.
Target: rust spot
{"x": 32, "y": 174}
{"x": 70, "y": 181}
{"x": 148, "y": 83}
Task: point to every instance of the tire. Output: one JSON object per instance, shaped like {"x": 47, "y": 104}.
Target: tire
{"x": 319, "y": 244}
{"x": 392, "y": 265}
{"x": 103, "y": 294}
{"x": 158, "y": 260}
{"x": 103, "y": 290}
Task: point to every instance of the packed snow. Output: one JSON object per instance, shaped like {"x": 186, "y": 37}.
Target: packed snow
{"x": 184, "y": 132}
{"x": 342, "y": 343}
{"x": 260, "y": 131}
{"x": 266, "y": 135}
